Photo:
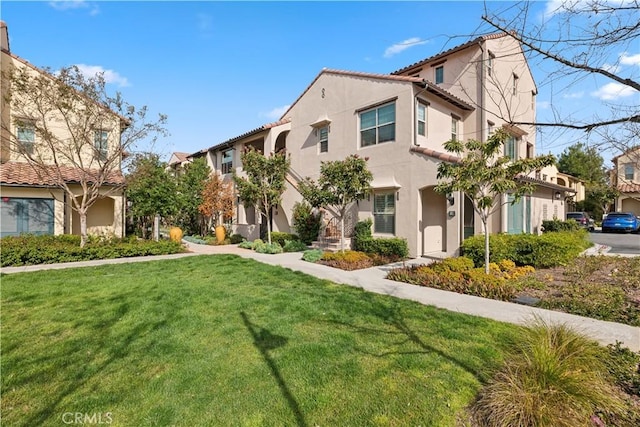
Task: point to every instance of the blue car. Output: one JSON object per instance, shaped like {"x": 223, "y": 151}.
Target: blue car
{"x": 625, "y": 222}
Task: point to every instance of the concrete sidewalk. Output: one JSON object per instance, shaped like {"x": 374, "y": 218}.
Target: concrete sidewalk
{"x": 373, "y": 280}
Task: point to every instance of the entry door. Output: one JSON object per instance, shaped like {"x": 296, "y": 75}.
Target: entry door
{"x": 434, "y": 220}
{"x": 515, "y": 223}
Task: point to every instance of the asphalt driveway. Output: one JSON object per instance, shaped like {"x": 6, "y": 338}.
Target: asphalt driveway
{"x": 624, "y": 244}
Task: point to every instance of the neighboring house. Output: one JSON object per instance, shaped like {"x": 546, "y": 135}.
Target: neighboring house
{"x": 626, "y": 178}
{"x": 177, "y": 162}
{"x": 30, "y": 200}
{"x": 400, "y": 122}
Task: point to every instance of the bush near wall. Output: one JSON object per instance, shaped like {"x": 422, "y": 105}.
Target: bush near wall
{"x": 31, "y": 250}
{"x": 282, "y": 238}
{"x": 553, "y": 225}
{"x": 544, "y": 251}
{"x": 459, "y": 275}
{"x": 363, "y": 241}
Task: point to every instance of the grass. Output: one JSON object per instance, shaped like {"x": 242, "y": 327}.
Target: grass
{"x": 220, "y": 340}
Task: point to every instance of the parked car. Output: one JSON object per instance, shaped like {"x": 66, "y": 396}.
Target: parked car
{"x": 621, "y": 221}
{"x": 583, "y": 219}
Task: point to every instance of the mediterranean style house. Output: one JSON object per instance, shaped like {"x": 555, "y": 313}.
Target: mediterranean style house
{"x": 399, "y": 122}
{"x": 32, "y": 200}
{"x": 626, "y": 178}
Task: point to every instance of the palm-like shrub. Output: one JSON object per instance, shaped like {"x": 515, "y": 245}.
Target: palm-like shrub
{"x": 554, "y": 377}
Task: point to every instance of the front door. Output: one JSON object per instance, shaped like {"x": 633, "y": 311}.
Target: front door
{"x": 515, "y": 223}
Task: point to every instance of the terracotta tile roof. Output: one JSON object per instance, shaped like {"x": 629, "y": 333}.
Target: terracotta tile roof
{"x": 244, "y": 135}
{"x": 445, "y": 157}
{"x": 629, "y": 188}
{"x": 450, "y": 51}
{"x": 547, "y": 184}
{"x": 182, "y": 157}
{"x": 20, "y": 173}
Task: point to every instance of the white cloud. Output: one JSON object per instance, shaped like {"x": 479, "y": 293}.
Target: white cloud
{"x": 110, "y": 76}
{"x": 612, "y": 91}
{"x": 276, "y": 113}
{"x": 575, "y": 95}
{"x": 75, "y": 4}
{"x": 626, "y": 59}
{"x": 399, "y": 47}
{"x": 543, "y": 105}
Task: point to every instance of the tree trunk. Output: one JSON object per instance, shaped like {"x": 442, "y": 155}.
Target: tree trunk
{"x": 83, "y": 227}
{"x": 486, "y": 246}
{"x": 156, "y": 228}
{"x": 268, "y": 218}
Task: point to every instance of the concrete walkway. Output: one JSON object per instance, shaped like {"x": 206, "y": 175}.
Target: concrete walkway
{"x": 373, "y": 280}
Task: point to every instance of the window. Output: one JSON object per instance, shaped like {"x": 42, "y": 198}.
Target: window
{"x": 454, "y": 128}
{"x": 490, "y": 128}
{"x": 628, "y": 171}
{"x": 515, "y": 84}
{"x": 18, "y": 215}
{"x": 324, "y": 139}
{"x": 492, "y": 57}
{"x": 440, "y": 74}
{"x": 227, "y": 161}
{"x": 100, "y": 141}
{"x": 422, "y": 119}
{"x": 26, "y": 137}
{"x": 384, "y": 213}
{"x": 378, "y": 125}
{"x": 511, "y": 148}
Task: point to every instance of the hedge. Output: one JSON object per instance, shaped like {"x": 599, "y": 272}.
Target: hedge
{"x": 31, "y": 249}
{"x": 544, "y": 251}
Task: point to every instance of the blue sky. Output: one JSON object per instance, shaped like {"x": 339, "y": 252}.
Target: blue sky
{"x": 219, "y": 69}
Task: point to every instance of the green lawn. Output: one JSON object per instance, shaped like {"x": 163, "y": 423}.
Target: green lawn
{"x": 225, "y": 341}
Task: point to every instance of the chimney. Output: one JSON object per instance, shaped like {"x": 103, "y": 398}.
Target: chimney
{"x": 4, "y": 37}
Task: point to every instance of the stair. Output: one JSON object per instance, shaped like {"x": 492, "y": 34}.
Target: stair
{"x": 331, "y": 244}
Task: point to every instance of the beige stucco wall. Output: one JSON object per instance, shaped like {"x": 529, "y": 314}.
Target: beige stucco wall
{"x": 64, "y": 147}
{"x": 395, "y": 169}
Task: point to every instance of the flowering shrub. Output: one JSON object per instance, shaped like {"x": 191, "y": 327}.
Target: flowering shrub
{"x": 459, "y": 275}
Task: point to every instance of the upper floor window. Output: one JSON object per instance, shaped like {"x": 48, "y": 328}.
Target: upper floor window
{"x": 227, "y": 161}
{"x": 455, "y": 124}
{"x": 384, "y": 213}
{"x": 629, "y": 171}
{"x": 422, "y": 119}
{"x": 439, "y": 74}
{"x": 490, "y": 128}
{"x": 100, "y": 143}
{"x": 515, "y": 83}
{"x": 26, "y": 136}
{"x": 511, "y": 147}
{"x": 324, "y": 139}
{"x": 378, "y": 125}
{"x": 490, "y": 60}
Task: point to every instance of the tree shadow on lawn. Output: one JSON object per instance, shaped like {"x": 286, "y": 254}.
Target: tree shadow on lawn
{"x": 265, "y": 341}
{"x": 450, "y": 331}
{"x": 73, "y": 357}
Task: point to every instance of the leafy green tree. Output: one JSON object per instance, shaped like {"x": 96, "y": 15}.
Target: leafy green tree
{"x": 264, "y": 183}
{"x": 306, "y": 222}
{"x": 150, "y": 189}
{"x": 190, "y": 185}
{"x": 582, "y": 162}
{"x": 586, "y": 163}
{"x": 484, "y": 175}
{"x": 341, "y": 183}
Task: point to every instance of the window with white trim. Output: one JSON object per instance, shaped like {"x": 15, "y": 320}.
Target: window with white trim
{"x": 455, "y": 123}
{"x": 490, "y": 128}
{"x": 515, "y": 83}
{"x": 511, "y": 147}
{"x": 26, "y": 137}
{"x": 26, "y": 215}
{"x": 323, "y": 134}
{"x": 378, "y": 125}
{"x": 101, "y": 144}
{"x": 439, "y": 77}
{"x": 422, "y": 119}
{"x": 384, "y": 213}
{"x": 629, "y": 171}
{"x": 490, "y": 60}
{"x": 227, "y": 161}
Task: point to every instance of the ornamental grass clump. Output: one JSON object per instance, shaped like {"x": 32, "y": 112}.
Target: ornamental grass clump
{"x": 552, "y": 377}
